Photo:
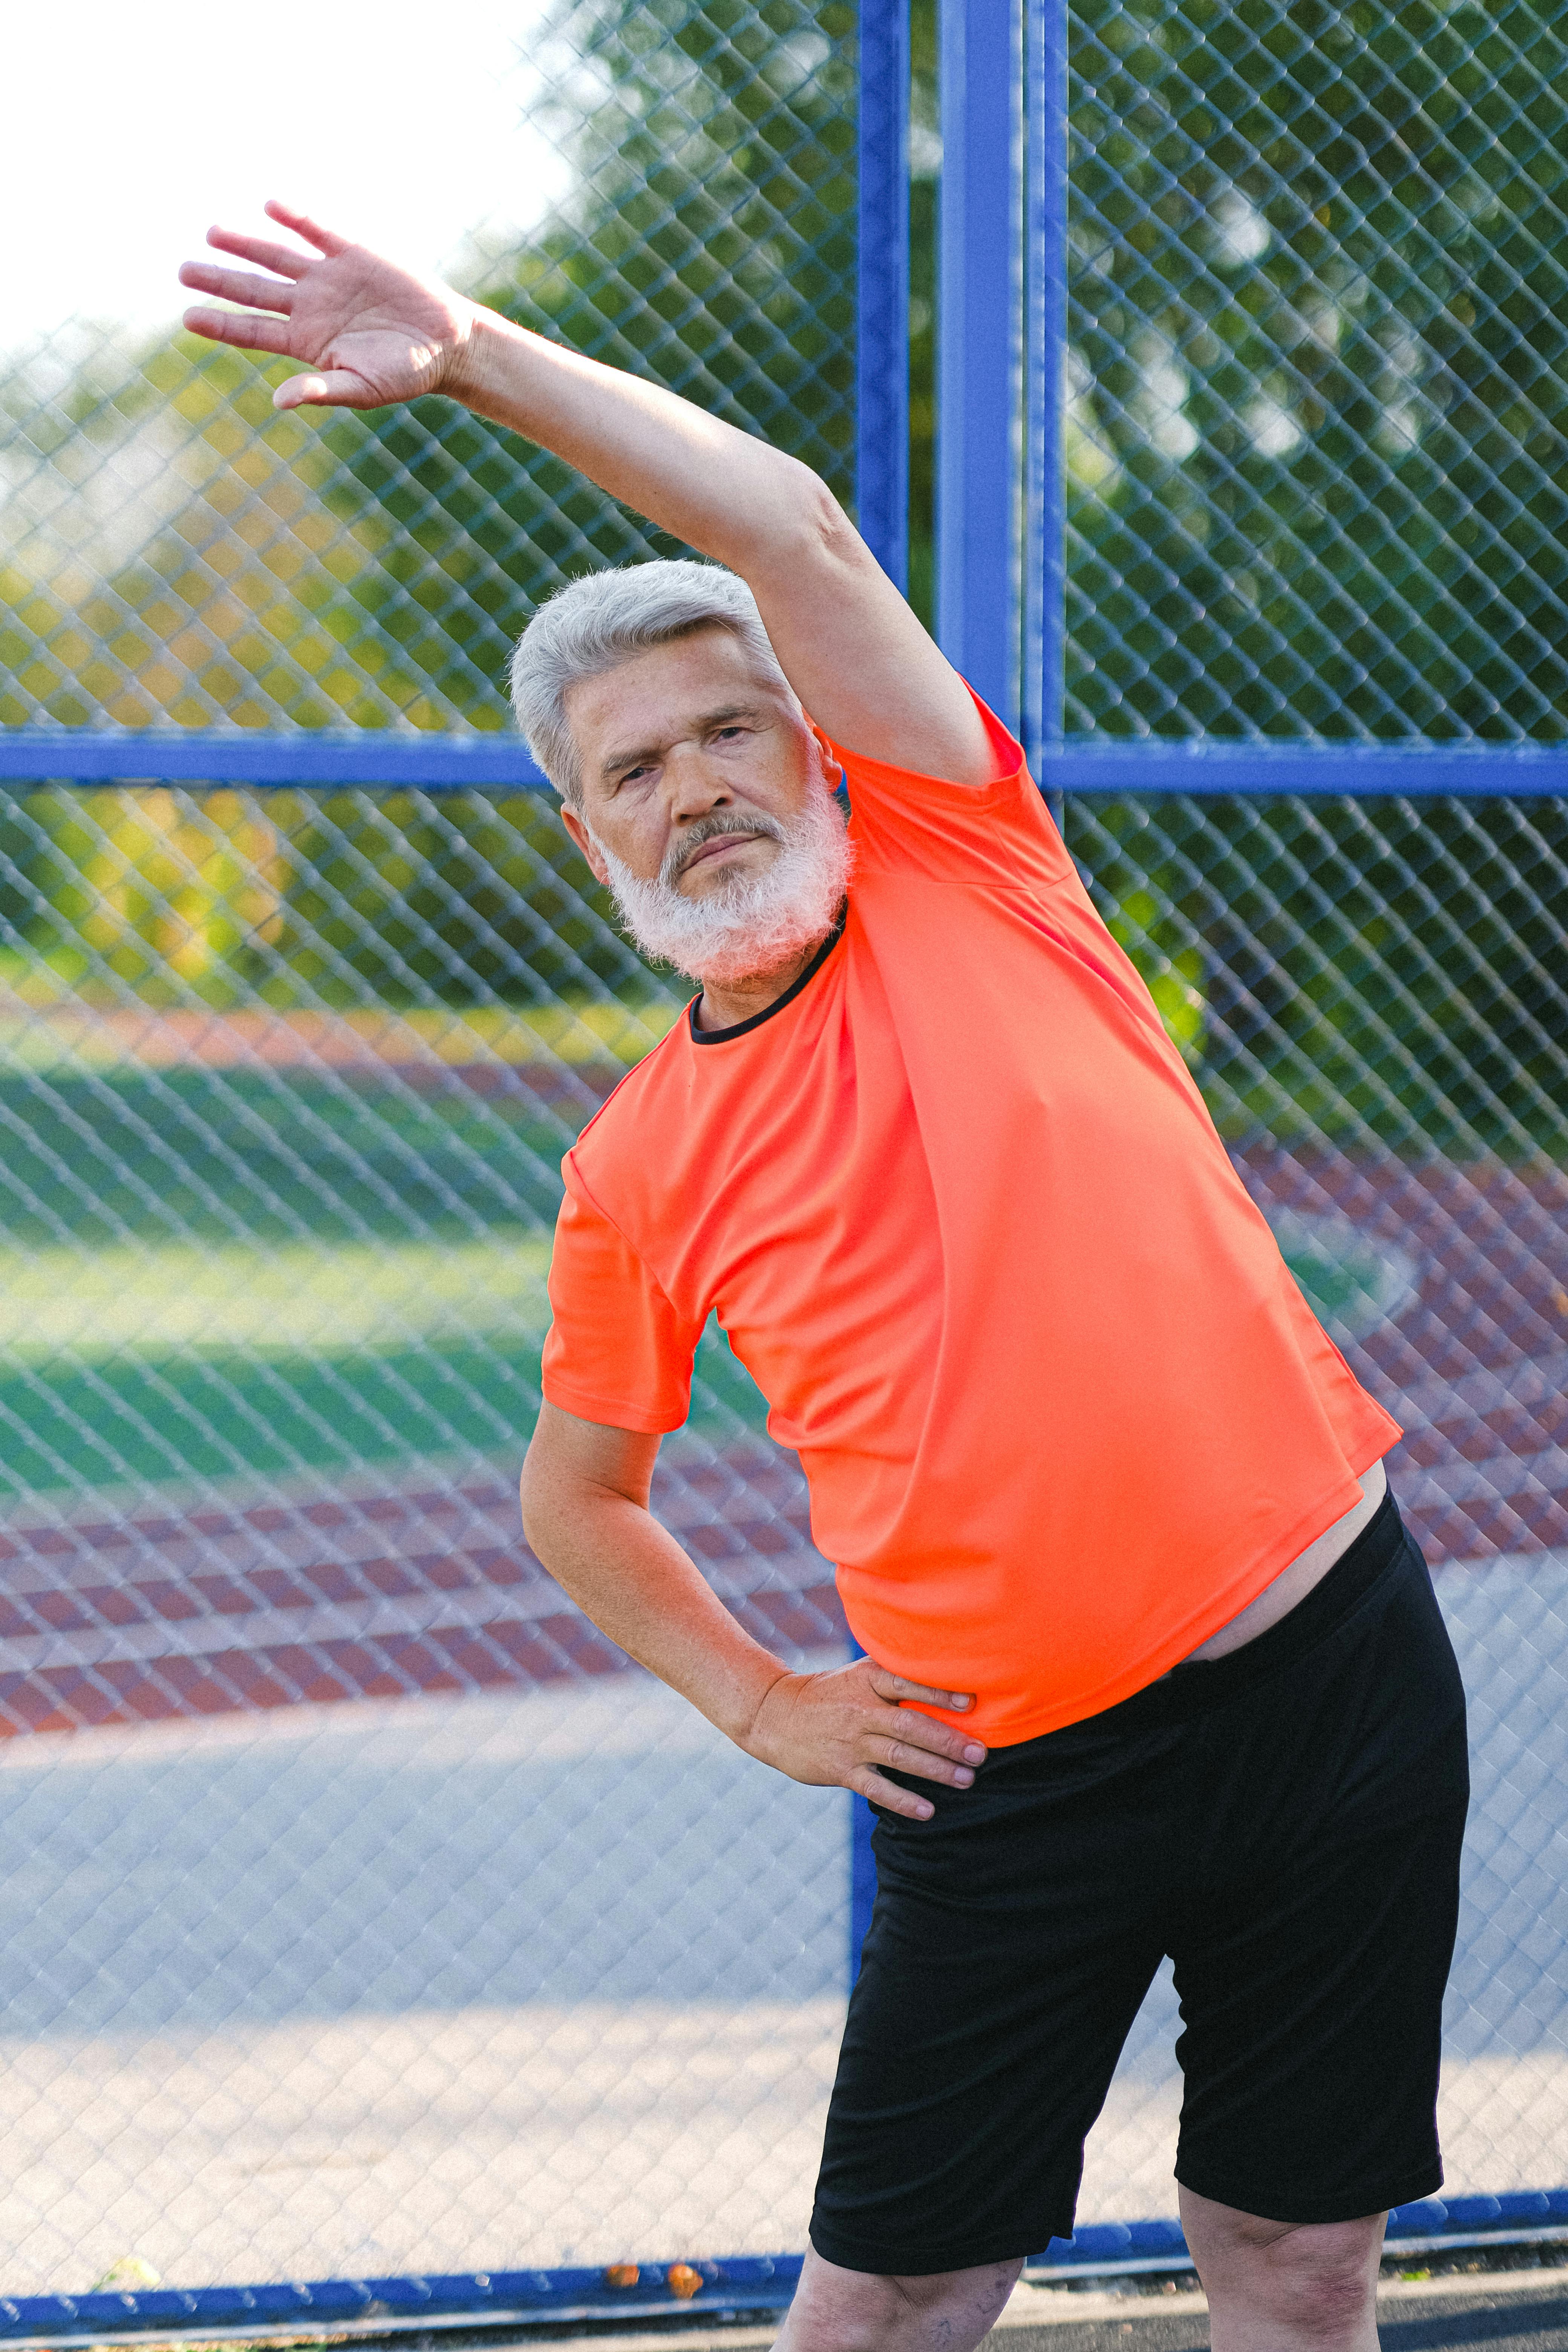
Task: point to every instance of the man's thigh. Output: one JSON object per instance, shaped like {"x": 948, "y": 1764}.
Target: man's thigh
{"x": 1312, "y": 1999}
{"x": 997, "y": 1986}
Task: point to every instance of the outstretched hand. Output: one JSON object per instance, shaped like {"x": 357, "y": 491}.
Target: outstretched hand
{"x": 833, "y": 1730}
{"x": 366, "y": 332}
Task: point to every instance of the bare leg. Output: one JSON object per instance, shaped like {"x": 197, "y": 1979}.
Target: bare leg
{"x": 837, "y": 2310}
{"x": 1284, "y": 2286}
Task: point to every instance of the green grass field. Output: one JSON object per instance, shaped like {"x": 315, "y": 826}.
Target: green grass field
{"x": 216, "y": 1273}
{"x": 219, "y": 1275}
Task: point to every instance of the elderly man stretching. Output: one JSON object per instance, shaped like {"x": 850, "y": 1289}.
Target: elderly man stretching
{"x": 1153, "y": 1667}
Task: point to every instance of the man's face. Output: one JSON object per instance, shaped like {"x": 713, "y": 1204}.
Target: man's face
{"x": 692, "y": 765}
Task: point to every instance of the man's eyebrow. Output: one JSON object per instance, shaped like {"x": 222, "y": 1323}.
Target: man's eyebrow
{"x": 615, "y": 762}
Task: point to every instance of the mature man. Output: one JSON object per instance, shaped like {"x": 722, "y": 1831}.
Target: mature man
{"x": 1153, "y": 1667}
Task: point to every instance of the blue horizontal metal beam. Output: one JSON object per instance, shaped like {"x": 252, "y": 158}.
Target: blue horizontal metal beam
{"x": 1479, "y": 770}
{"x": 552, "y": 2298}
{"x": 758, "y": 2283}
{"x": 309, "y": 760}
{"x": 1514, "y": 2217}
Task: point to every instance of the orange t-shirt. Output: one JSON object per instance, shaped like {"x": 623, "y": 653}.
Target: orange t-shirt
{"x": 960, "y": 1210}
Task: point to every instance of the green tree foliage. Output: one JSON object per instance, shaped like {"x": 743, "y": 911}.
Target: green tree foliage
{"x": 1320, "y": 256}
{"x": 1318, "y": 484}
{"x": 1352, "y": 969}
{"x": 707, "y": 243}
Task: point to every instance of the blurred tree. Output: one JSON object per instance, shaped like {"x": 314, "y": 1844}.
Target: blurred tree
{"x": 707, "y": 242}
{"x": 1321, "y": 368}
{"x": 1318, "y": 256}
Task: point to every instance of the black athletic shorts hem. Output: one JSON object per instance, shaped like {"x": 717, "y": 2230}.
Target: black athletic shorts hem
{"x": 1304, "y": 2209}
{"x": 925, "y": 2260}
{"x": 1285, "y": 1825}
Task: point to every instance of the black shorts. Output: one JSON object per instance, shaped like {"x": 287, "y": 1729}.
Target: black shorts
{"x": 1285, "y": 1822}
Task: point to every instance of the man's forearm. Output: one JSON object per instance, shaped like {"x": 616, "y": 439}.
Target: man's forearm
{"x": 635, "y": 1582}
{"x": 364, "y": 331}
{"x": 720, "y": 490}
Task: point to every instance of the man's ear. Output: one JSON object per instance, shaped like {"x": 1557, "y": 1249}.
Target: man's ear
{"x": 584, "y": 841}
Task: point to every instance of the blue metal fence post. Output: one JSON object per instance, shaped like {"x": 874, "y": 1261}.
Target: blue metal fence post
{"x": 882, "y": 320}
{"x": 881, "y": 465}
{"x": 1045, "y": 383}
{"x": 862, "y": 1865}
{"x": 979, "y": 346}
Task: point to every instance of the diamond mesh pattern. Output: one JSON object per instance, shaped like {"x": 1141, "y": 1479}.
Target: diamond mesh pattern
{"x": 375, "y": 1916}
{"x": 1318, "y": 478}
{"x": 500, "y": 1957}
{"x": 171, "y": 549}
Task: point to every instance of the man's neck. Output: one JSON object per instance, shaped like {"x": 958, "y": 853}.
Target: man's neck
{"x": 741, "y": 1000}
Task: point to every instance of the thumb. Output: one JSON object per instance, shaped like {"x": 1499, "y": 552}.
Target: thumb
{"x": 338, "y": 388}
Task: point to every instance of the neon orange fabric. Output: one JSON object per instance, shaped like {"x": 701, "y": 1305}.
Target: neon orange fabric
{"x": 966, "y": 1219}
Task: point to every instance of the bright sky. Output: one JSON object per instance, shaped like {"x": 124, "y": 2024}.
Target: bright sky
{"x": 128, "y": 129}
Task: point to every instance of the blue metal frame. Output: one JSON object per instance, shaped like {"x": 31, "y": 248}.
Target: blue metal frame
{"x": 1203, "y": 764}
{"x": 979, "y": 345}
{"x": 550, "y": 2299}
{"x": 882, "y": 292}
{"x": 1045, "y": 348}
{"x": 304, "y": 758}
{"x": 988, "y": 620}
{"x": 307, "y": 761}
{"x": 373, "y": 2307}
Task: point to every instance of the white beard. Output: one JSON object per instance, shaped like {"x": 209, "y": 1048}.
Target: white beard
{"x": 746, "y": 923}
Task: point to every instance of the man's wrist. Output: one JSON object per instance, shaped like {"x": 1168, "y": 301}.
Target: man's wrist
{"x": 483, "y": 359}
{"x": 740, "y": 1722}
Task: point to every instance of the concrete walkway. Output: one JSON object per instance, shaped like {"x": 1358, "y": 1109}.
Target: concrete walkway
{"x": 553, "y": 1976}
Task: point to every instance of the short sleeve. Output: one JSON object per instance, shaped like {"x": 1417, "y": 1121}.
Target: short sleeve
{"x": 999, "y": 833}
{"x": 616, "y": 1352}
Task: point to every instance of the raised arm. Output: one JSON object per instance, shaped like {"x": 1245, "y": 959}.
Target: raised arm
{"x": 367, "y": 333}
{"x": 585, "y": 1510}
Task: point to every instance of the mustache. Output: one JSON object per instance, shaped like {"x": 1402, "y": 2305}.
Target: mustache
{"x": 713, "y": 828}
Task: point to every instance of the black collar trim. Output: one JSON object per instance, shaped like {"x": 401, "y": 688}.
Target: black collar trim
{"x": 739, "y": 1028}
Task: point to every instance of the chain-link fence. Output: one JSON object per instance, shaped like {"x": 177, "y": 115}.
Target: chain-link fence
{"x": 173, "y": 551}
{"x": 499, "y": 1962}
{"x": 500, "y": 1957}
{"x": 1317, "y": 470}
{"x": 504, "y": 1959}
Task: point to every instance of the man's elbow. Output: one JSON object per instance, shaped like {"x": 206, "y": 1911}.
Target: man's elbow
{"x": 804, "y": 524}
{"x": 535, "y": 1492}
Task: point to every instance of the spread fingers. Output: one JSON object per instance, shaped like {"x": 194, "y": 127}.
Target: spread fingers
{"x": 325, "y": 240}
{"x": 241, "y": 285}
{"x": 260, "y": 251}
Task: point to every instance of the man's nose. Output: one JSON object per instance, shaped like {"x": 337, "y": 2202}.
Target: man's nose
{"x": 697, "y": 787}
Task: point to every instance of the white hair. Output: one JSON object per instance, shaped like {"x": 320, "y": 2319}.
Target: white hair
{"x": 606, "y": 618}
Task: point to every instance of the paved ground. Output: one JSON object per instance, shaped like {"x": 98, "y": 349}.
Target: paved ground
{"x": 1512, "y": 2311}
{"x": 1506, "y": 2320}
{"x": 558, "y": 1975}
{"x": 501, "y": 1956}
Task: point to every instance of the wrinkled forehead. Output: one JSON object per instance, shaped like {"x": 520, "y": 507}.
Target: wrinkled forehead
{"x": 659, "y": 694}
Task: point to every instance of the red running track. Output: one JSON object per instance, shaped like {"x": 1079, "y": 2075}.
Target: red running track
{"x": 429, "y": 1587}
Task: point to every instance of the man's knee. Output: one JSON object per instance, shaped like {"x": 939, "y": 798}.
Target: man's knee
{"x": 837, "y": 2310}
{"x": 1324, "y": 2279}
{"x": 1317, "y": 2280}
